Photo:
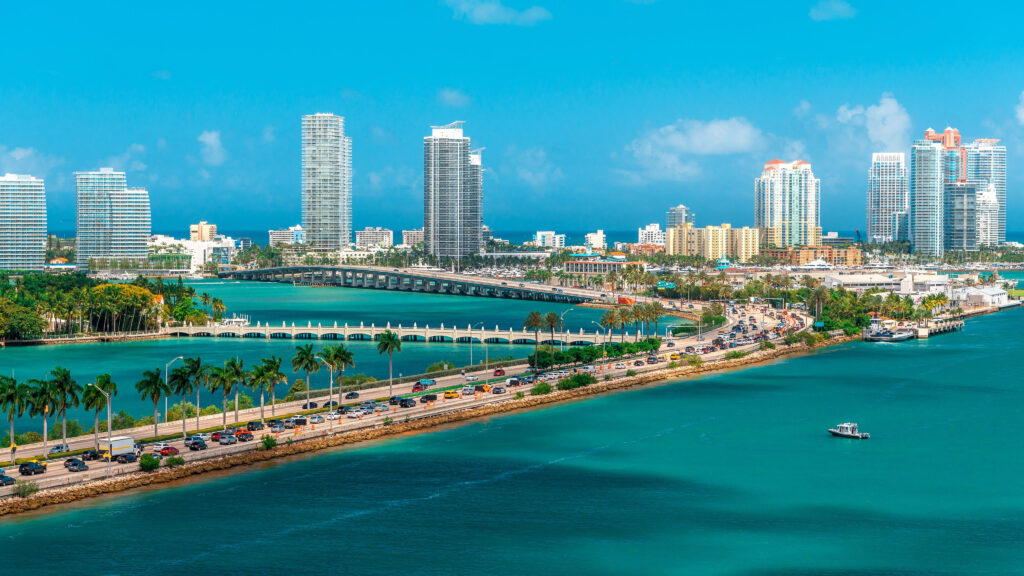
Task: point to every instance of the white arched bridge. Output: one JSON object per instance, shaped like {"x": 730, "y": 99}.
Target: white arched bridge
{"x": 412, "y": 333}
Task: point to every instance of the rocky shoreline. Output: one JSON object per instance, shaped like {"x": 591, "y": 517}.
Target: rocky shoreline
{"x": 64, "y": 495}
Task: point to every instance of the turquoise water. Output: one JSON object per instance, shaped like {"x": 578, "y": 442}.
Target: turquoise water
{"x": 732, "y": 474}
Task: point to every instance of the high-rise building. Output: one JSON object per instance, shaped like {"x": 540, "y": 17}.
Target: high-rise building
{"x": 326, "y": 182}
{"x": 651, "y": 234}
{"x": 960, "y": 217}
{"x": 202, "y": 232}
{"x": 22, "y": 222}
{"x": 787, "y": 206}
{"x": 291, "y": 235}
{"x": 452, "y": 193}
{"x": 677, "y": 216}
{"x": 713, "y": 242}
{"x": 412, "y": 237}
{"x": 378, "y": 236}
{"x": 986, "y": 171}
{"x": 112, "y": 220}
{"x": 596, "y": 240}
{"x": 926, "y": 189}
{"x": 887, "y": 197}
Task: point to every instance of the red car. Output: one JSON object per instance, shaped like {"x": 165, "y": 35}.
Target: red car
{"x": 215, "y": 437}
{"x": 169, "y": 451}
{"x": 418, "y": 387}
{"x": 499, "y": 372}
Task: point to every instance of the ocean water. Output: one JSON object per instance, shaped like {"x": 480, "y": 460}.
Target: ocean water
{"x": 730, "y": 474}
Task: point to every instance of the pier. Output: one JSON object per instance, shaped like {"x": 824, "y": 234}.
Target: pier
{"x": 939, "y": 327}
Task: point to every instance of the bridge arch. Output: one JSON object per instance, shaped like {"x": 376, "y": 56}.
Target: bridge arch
{"x": 305, "y": 336}
{"x": 253, "y": 335}
{"x": 440, "y": 338}
{"x": 281, "y": 335}
{"x": 360, "y": 336}
{"x": 227, "y": 335}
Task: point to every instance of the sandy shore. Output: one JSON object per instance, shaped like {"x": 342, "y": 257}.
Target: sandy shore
{"x": 64, "y": 495}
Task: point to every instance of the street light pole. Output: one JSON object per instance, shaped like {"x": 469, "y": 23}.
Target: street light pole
{"x": 166, "y": 368}
{"x": 330, "y": 388}
{"x": 601, "y": 328}
{"x": 110, "y": 424}
{"x": 481, "y": 324}
{"x": 561, "y": 323}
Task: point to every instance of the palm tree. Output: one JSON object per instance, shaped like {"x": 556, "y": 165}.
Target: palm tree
{"x": 534, "y": 321}
{"x": 625, "y": 318}
{"x": 389, "y": 343}
{"x": 337, "y": 357}
{"x": 199, "y": 373}
{"x": 259, "y": 381}
{"x": 657, "y": 311}
{"x": 152, "y": 387}
{"x": 221, "y": 380}
{"x": 96, "y": 401}
{"x": 609, "y": 320}
{"x": 180, "y": 383}
{"x": 67, "y": 393}
{"x": 236, "y": 371}
{"x": 552, "y": 322}
{"x": 274, "y": 377}
{"x": 14, "y": 400}
{"x": 305, "y": 360}
{"x": 218, "y": 307}
{"x": 41, "y": 402}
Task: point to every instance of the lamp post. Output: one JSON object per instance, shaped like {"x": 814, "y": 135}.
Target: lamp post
{"x": 484, "y": 340}
{"x": 561, "y": 324}
{"x": 330, "y": 388}
{"x": 166, "y": 368}
{"x": 110, "y": 423}
{"x": 601, "y": 328}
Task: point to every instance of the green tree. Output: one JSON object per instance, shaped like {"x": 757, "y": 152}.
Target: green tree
{"x": 220, "y": 380}
{"x": 68, "y": 393}
{"x": 42, "y": 399}
{"x": 305, "y": 360}
{"x": 15, "y": 398}
{"x": 236, "y": 371}
{"x": 389, "y": 344}
{"x": 274, "y": 376}
{"x": 552, "y": 322}
{"x": 337, "y": 357}
{"x": 94, "y": 400}
{"x": 180, "y": 384}
{"x": 152, "y": 387}
{"x": 199, "y": 374}
{"x": 534, "y": 321}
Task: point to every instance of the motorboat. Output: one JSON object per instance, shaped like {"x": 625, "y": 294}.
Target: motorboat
{"x": 889, "y": 336}
{"x": 848, "y": 430}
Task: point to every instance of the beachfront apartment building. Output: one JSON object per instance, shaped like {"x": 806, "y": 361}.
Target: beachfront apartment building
{"x": 596, "y": 240}
{"x": 713, "y": 242}
{"x": 960, "y": 217}
{"x": 326, "y": 182}
{"x": 412, "y": 237}
{"x": 291, "y": 235}
{"x": 986, "y": 171}
{"x": 22, "y": 222}
{"x": 787, "y": 204}
{"x": 652, "y": 234}
{"x": 548, "y": 239}
{"x": 113, "y": 222}
{"x": 202, "y": 232}
{"x": 887, "y": 198}
{"x": 926, "y": 190}
{"x": 452, "y": 193}
{"x": 379, "y": 237}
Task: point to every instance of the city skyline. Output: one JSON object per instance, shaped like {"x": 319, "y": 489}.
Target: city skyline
{"x": 611, "y": 125}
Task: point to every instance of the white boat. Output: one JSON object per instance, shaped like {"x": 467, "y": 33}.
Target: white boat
{"x": 236, "y": 321}
{"x": 848, "y": 430}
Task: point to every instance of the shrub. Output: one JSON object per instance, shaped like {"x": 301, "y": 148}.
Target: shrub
{"x": 173, "y": 461}
{"x": 766, "y": 345}
{"x": 387, "y": 421}
{"x": 791, "y": 339}
{"x": 695, "y": 361}
{"x": 148, "y": 463}
{"x": 673, "y": 364}
{"x": 25, "y": 488}
{"x": 630, "y": 372}
{"x": 607, "y": 376}
{"x": 288, "y": 441}
{"x": 576, "y": 381}
{"x": 519, "y": 395}
{"x": 267, "y": 442}
{"x": 735, "y": 354}
{"x": 809, "y": 338}
{"x": 540, "y": 388}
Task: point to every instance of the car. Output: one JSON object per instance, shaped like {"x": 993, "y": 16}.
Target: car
{"x": 125, "y": 458}
{"x": 288, "y": 423}
{"x": 309, "y": 405}
{"x": 253, "y": 426}
{"x": 333, "y": 415}
{"x": 227, "y": 440}
{"x": 159, "y": 446}
{"x": 277, "y": 428}
{"x": 351, "y": 395}
{"x": 418, "y": 387}
{"x": 472, "y": 377}
{"x": 511, "y": 382}
{"x": 449, "y": 394}
{"x": 168, "y": 451}
{"x": 197, "y": 444}
{"x": 202, "y": 436}
{"x": 406, "y": 403}
{"x": 330, "y": 404}
{"x": 638, "y": 363}
{"x": 652, "y": 359}
{"x": 31, "y": 469}
{"x": 78, "y": 466}
{"x": 394, "y": 400}
{"x": 300, "y": 421}
{"x": 428, "y": 398}
{"x": 6, "y": 480}
{"x": 381, "y": 409}
{"x": 499, "y": 372}
{"x": 316, "y": 419}
{"x": 215, "y": 437}
{"x": 468, "y": 391}
{"x": 90, "y": 455}
{"x": 60, "y": 448}
{"x": 244, "y": 436}
{"x": 499, "y": 390}
{"x": 671, "y": 345}
{"x": 620, "y": 366}
{"x": 71, "y": 461}
{"x": 356, "y": 413}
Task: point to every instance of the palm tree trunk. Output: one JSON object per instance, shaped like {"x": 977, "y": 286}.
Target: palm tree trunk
{"x": 261, "y": 403}
{"x": 10, "y": 422}
{"x": 224, "y": 409}
{"x": 184, "y": 431}
{"x": 45, "y": 436}
{"x": 273, "y": 399}
{"x": 197, "y": 408}
{"x": 390, "y": 375}
{"x": 156, "y": 420}
{"x": 239, "y": 385}
{"x": 307, "y": 388}
{"x": 64, "y": 427}
{"x": 95, "y": 430}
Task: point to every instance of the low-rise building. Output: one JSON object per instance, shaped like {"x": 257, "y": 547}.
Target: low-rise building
{"x": 378, "y": 236}
{"x": 713, "y": 242}
{"x": 804, "y": 255}
{"x": 861, "y": 283}
{"x": 595, "y": 265}
{"x": 412, "y": 237}
{"x": 974, "y": 296}
{"x": 596, "y": 240}
{"x": 548, "y": 239}
{"x": 202, "y": 232}
{"x": 220, "y": 250}
{"x": 651, "y": 234}
{"x": 292, "y": 235}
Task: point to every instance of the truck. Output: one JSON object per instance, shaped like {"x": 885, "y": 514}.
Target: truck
{"x": 119, "y": 445}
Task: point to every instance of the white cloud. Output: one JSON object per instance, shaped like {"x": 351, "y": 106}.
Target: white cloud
{"x": 887, "y": 122}
{"x": 452, "y": 97}
{"x": 22, "y": 160}
{"x": 268, "y": 134}
{"x": 667, "y": 153}
{"x": 832, "y": 10}
{"x": 494, "y": 12}
{"x": 211, "y": 149}
{"x": 128, "y": 160}
{"x": 802, "y": 109}
{"x": 796, "y": 150}
{"x": 533, "y": 167}
{"x": 1020, "y": 109}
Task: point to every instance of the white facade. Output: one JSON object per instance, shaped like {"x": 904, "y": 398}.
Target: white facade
{"x": 596, "y": 240}
{"x": 927, "y": 198}
{"x": 22, "y": 223}
{"x": 220, "y": 249}
{"x": 548, "y": 239}
{"x": 787, "y": 204}
{"x": 986, "y": 170}
{"x": 974, "y": 296}
{"x": 292, "y": 235}
{"x": 887, "y": 198}
{"x": 452, "y": 193}
{"x": 412, "y": 237}
{"x": 326, "y": 182}
{"x": 112, "y": 220}
{"x": 381, "y": 237}
{"x": 651, "y": 234}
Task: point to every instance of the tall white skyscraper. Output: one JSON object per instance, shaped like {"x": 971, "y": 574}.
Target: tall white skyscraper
{"x": 113, "y": 221}
{"x": 927, "y": 198}
{"x": 887, "y": 198}
{"x": 986, "y": 171}
{"x": 22, "y": 222}
{"x": 326, "y": 182}
{"x": 677, "y": 216}
{"x": 787, "y": 206}
{"x": 452, "y": 193}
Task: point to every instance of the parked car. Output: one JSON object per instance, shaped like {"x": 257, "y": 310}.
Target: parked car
{"x": 60, "y": 448}
{"x": 126, "y": 458}
{"x": 253, "y": 426}
{"x": 351, "y": 395}
{"x": 309, "y": 405}
{"x": 406, "y": 403}
{"x": 31, "y": 469}
{"x": 499, "y": 372}
{"x": 244, "y": 436}
{"x": 78, "y": 466}
{"x": 227, "y": 440}
{"x": 6, "y": 480}
{"x": 197, "y": 444}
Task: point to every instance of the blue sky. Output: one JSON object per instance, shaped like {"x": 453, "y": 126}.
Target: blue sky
{"x": 593, "y": 114}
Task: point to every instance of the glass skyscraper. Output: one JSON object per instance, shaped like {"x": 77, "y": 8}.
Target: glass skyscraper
{"x": 887, "y": 198}
{"x": 22, "y": 222}
{"x": 678, "y": 216}
{"x": 326, "y": 182}
{"x": 986, "y": 171}
{"x": 926, "y": 189}
{"x": 112, "y": 220}
{"x": 787, "y": 206}
{"x": 452, "y": 193}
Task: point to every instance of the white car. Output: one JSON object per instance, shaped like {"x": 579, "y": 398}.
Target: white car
{"x": 472, "y": 377}
{"x": 355, "y": 414}
{"x": 333, "y": 415}
{"x": 316, "y": 419}
{"x": 205, "y": 437}
{"x": 468, "y": 391}
{"x": 159, "y": 446}
{"x": 620, "y": 366}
